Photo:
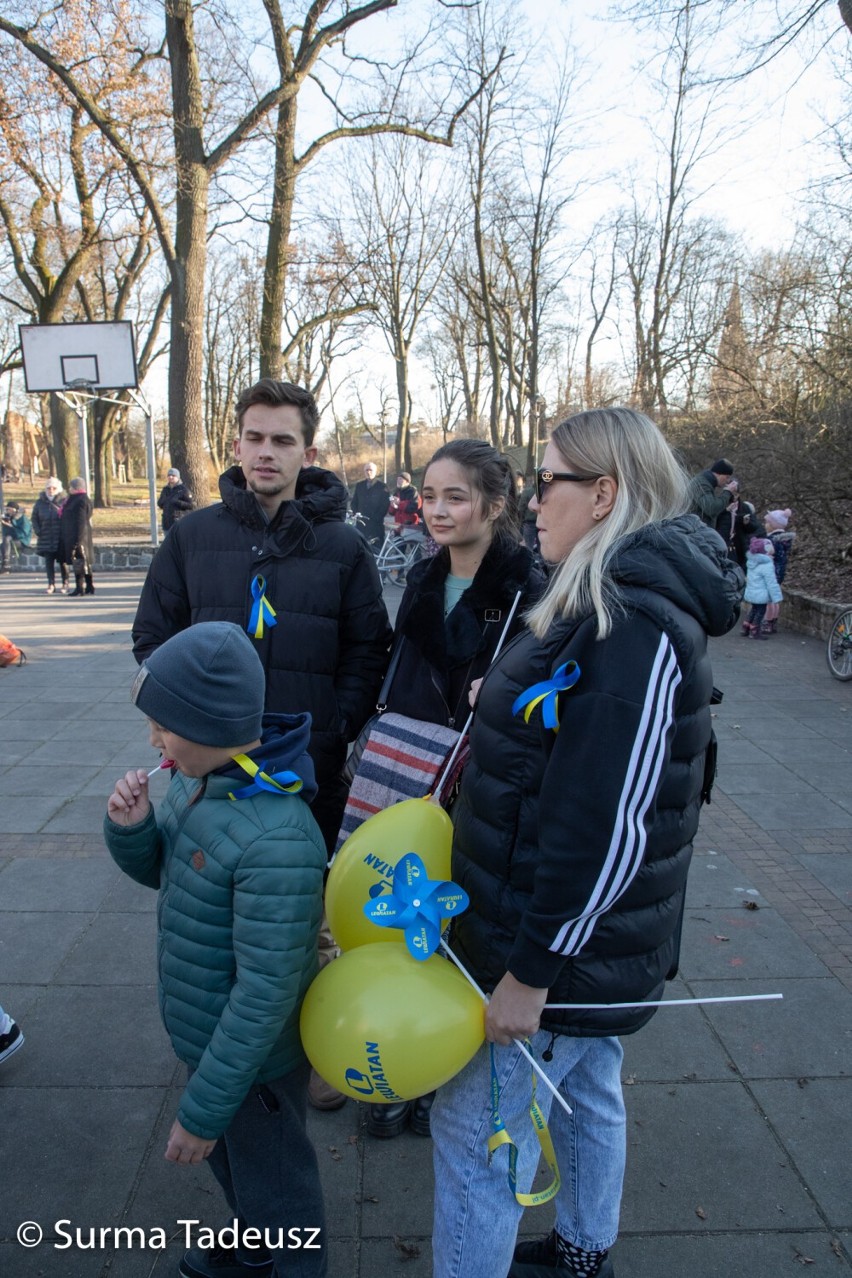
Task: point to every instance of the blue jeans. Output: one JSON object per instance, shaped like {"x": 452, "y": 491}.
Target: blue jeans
{"x": 476, "y": 1215}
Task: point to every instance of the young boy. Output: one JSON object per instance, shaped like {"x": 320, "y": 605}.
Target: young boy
{"x": 238, "y": 861}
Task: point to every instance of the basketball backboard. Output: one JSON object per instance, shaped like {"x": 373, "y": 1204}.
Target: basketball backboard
{"x": 60, "y": 357}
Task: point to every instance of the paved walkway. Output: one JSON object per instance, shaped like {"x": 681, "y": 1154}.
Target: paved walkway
{"x": 740, "y": 1116}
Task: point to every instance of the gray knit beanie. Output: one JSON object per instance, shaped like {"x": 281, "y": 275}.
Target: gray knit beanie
{"x": 205, "y": 684}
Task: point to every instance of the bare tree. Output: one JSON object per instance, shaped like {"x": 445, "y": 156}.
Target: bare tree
{"x": 404, "y": 220}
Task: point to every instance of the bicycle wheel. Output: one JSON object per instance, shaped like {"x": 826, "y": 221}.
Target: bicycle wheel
{"x": 838, "y": 652}
{"x": 391, "y": 561}
{"x": 413, "y": 550}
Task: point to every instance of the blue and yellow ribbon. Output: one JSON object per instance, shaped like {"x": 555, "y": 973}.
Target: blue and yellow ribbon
{"x": 500, "y": 1137}
{"x": 261, "y": 609}
{"x": 276, "y": 783}
{"x": 547, "y": 694}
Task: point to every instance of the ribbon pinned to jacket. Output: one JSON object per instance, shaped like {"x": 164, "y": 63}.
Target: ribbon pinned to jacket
{"x": 547, "y": 694}
{"x": 417, "y": 905}
{"x": 261, "y": 609}
{"x": 276, "y": 783}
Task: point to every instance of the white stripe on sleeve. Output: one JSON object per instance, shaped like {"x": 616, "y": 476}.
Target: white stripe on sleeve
{"x": 627, "y": 844}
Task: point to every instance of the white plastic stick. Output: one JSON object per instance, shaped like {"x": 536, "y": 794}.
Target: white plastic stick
{"x": 663, "y": 1002}
{"x": 451, "y": 760}
{"x": 520, "y": 1046}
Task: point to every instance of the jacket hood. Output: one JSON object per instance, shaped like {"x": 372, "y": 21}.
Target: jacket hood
{"x": 320, "y": 497}
{"x": 685, "y": 562}
{"x": 283, "y": 748}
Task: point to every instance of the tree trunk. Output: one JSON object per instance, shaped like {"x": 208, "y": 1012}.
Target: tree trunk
{"x": 186, "y": 354}
{"x": 278, "y": 243}
{"x": 65, "y": 434}
{"x": 403, "y": 439}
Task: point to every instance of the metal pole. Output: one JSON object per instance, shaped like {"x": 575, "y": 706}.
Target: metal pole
{"x": 82, "y": 413}
{"x": 152, "y": 472}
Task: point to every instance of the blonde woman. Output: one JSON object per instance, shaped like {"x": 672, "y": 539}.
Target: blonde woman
{"x": 573, "y": 836}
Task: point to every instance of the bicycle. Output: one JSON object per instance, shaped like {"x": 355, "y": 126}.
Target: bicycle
{"x": 838, "y": 651}
{"x": 401, "y": 548}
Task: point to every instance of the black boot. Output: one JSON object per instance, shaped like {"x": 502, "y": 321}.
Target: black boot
{"x": 90, "y": 590}
{"x": 78, "y": 590}
{"x": 386, "y": 1121}
{"x": 420, "y": 1114}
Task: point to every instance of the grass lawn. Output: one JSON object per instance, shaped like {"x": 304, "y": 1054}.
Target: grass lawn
{"x": 127, "y": 519}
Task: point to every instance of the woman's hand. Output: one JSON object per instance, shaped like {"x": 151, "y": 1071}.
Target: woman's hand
{"x": 473, "y": 692}
{"x": 129, "y": 803}
{"x": 514, "y": 1011}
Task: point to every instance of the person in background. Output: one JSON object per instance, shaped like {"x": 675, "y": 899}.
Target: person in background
{"x": 782, "y": 538}
{"x": 744, "y": 524}
{"x": 76, "y": 548}
{"x": 711, "y": 491}
{"x": 573, "y": 836}
{"x": 405, "y": 504}
{"x": 17, "y": 530}
{"x": 45, "y": 519}
{"x": 452, "y": 614}
{"x": 370, "y": 500}
{"x": 527, "y": 515}
{"x": 762, "y": 586}
{"x": 175, "y": 499}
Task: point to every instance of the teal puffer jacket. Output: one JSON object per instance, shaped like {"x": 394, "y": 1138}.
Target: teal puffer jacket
{"x": 240, "y": 903}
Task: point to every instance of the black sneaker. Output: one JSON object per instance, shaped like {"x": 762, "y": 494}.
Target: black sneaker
{"x": 11, "y": 1037}
{"x": 222, "y": 1262}
{"x": 539, "y": 1258}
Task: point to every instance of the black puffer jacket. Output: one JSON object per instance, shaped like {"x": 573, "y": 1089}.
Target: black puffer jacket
{"x": 45, "y": 520}
{"x": 75, "y": 528}
{"x": 328, "y": 651}
{"x": 175, "y": 502}
{"x": 439, "y": 657}
{"x": 575, "y": 847}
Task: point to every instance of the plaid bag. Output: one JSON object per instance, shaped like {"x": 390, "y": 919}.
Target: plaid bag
{"x": 402, "y": 759}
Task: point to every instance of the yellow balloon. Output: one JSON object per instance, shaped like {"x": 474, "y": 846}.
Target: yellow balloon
{"x": 382, "y": 1026}
{"x": 365, "y": 864}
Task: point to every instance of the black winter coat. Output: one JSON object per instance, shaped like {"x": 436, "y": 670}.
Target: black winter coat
{"x": 439, "y": 657}
{"x": 574, "y": 847}
{"x": 45, "y": 521}
{"x": 75, "y": 528}
{"x": 328, "y": 651}
{"x": 370, "y": 500}
{"x": 174, "y": 502}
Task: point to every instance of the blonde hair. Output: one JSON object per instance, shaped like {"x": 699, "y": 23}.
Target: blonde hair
{"x": 652, "y": 486}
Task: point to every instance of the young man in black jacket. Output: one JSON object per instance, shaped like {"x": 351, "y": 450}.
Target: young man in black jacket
{"x": 276, "y": 557}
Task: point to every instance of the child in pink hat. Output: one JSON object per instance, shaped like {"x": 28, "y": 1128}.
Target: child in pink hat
{"x": 782, "y": 539}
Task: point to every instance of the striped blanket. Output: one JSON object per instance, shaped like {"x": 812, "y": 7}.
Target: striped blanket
{"x": 401, "y": 760}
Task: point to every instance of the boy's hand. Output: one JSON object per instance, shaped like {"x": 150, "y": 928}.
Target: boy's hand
{"x": 129, "y": 803}
{"x": 184, "y": 1147}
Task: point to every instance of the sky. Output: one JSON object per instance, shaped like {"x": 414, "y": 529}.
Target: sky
{"x": 755, "y": 184}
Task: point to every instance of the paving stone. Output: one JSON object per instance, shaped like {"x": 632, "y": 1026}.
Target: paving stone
{"x": 117, "y": 949}
{"x": 31, "y": 885}
{"x": 742, "y": 1255}
{"x": 100, "y": 1037}
{"x": 743, "y": 944}
{"x": 698, "y": 1145}
{"x": 79, "y": 1160}
{"x": 810, "y": 1117}
{"x": 808, "y": 1034}
{"x": 32, "y": 945}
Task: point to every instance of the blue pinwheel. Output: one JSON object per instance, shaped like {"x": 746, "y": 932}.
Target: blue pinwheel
{"x": 417, "y": 904}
